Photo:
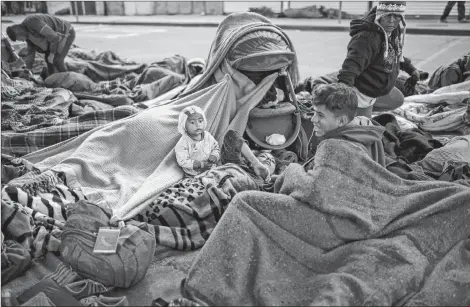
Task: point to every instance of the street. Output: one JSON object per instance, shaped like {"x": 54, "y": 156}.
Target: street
{"x": 318, "y": 52}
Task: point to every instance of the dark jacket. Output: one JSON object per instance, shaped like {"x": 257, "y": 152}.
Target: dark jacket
{"x": 46, "y": 33}
{"x": 365, "y": 66}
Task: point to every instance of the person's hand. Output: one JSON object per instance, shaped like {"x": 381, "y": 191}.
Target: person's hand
{"x": 50, "y": 58}
{"x": 197, "y": 164}
{"x": 260, "y": 170}
{"x": 274, "y": 178}
{"x": 212, "y": 159}
{"x": 415, "y": 75}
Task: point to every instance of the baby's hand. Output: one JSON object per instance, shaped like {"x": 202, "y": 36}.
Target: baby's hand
{"x": 212, "y": 159}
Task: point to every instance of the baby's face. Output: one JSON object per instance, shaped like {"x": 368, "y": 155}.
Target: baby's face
{"x": 195, "y": 124}
{"x": 268, "y": 160}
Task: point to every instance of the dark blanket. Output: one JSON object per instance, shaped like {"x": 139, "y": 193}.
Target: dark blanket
{"x": 348, "y": 232}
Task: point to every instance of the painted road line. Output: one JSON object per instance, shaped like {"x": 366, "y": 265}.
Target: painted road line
{"x": 439, "y": 53}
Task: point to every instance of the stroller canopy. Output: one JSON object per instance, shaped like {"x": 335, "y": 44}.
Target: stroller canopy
{"x": 261, "y": 50}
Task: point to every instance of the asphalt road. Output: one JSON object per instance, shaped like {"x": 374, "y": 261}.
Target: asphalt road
{"x": 318, "y": 52}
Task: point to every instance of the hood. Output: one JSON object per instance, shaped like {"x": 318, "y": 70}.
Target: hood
{"x": 369, "y": 23}
{"x": 366, "y": 23}
{"x": 15, "y": 31}
{"x": 365, "y": 135}
{"x": 184, "y": 117}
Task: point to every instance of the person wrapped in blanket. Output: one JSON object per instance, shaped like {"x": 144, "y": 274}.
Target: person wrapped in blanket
{"x": 375, "y": 56}
{"x": 196, "y": 150}
{"x": 46, "y": 34}
{"x": 335, "y": 106}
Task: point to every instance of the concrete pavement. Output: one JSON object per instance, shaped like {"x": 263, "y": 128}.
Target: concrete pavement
{"x": 414, "y": 26}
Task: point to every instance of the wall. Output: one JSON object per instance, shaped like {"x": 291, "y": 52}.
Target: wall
{"x": 414, "y": 9}
{"x": 54, "y": 6}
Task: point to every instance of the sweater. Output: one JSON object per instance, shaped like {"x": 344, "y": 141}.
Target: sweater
{"x": 188, "y": 150}
{"x": 46, "y": 32}
{"x": 365, "y": 66}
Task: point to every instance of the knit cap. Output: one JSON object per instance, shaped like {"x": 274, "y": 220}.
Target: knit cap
{"x": 385, "y": 8}
{"x": 183, "y": 117}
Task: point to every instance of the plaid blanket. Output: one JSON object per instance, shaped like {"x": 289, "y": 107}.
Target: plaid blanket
{"x": 20, "y": 144}
{"x": 26, "y": 109}
{"x": 186, "y": 213}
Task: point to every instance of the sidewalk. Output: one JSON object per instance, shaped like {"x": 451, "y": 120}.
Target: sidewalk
{"x": 414, "y": 26}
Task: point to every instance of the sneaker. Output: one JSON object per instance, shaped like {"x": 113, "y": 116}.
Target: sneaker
{"x": 443, "y": 20}
{"x": 464, "y": 21}
{"x": 85, "y": 288}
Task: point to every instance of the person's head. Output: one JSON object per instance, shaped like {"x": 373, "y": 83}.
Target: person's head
{"x": 192, "y": 121}
{"x": 17, "y": 32}
{"x": 389, "y": 14}
{"x": 267, "y": 159}
{"x": 335, "y": 106}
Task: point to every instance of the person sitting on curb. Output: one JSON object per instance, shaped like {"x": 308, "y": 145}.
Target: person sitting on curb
{"x": 375, "y": 56}
{"x": 46, "y": 34}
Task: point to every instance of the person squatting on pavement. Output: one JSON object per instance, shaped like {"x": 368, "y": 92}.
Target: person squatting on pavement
{"x": 375, "y": 56}
{"x": 46, "y": 34}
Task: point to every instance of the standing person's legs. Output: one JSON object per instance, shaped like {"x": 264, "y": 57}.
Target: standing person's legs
{"x": 59, "y": 59}
{"x": 447, "y": 9}
{"x": 461, "y": 10}
{"x": 389, "y": 102}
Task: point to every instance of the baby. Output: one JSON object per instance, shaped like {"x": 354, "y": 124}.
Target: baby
{"x": 197, "y": 150}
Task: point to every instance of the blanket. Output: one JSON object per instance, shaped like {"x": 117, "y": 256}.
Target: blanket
{"x": 229, "y": 31}
{"x": 20, "y": 144}
{"x": 123, "y": 165}
{"x": 443, "y": 111}
{"x": 186, "y": 213}
{"x": 26, "y": 109}
{"x": 347, "y": 232}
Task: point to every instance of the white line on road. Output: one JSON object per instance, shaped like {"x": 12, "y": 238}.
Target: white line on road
{"x": 437, "y": 54}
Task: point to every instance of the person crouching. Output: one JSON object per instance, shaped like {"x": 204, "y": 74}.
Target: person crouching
{"x": 46, "y": 34}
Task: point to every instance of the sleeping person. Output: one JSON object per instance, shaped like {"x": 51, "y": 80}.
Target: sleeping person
{"x": 197, "y": 150}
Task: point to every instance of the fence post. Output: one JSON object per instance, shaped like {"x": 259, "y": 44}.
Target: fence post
{"x": 340, "y": 11}
{"x": 76, "y": 9}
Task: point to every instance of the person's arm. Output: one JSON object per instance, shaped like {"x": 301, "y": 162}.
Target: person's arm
{"x": 36, "y": 24}
{"x": 30, "y": 54}
{"x": 215, "y": 150}
{"x": 362, "y": 49}
{"x": 259, "y": 168}
{"x": 407, "y": 67}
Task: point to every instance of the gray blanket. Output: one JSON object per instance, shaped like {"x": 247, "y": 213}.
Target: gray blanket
{"x": 348, "y": 232}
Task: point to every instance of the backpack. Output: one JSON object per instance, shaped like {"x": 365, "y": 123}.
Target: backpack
{"x": 126, "y": 267}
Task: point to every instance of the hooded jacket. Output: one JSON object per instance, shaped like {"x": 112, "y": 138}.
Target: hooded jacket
{"x": 188, "y": 150}
{"x": 364, "y": 132}
{"x": 368, "y": 66}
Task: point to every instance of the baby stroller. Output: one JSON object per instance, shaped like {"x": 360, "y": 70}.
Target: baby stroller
{"x": 257, "y": 54}
{"x": 252, "y": 45}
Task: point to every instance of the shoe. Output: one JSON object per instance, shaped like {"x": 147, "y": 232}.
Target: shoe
{"x": 105, "y": 301}
{"x": 463, "y": 21}
{"x": 85, "y": 288}
{"x": 443, "y": 20}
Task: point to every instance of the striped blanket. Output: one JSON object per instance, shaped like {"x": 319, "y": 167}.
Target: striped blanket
{"x": 20, "y": 144}
{"x": 185, "y": 214}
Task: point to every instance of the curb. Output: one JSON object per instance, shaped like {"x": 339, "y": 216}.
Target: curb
{"x": 326, "y": 28}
